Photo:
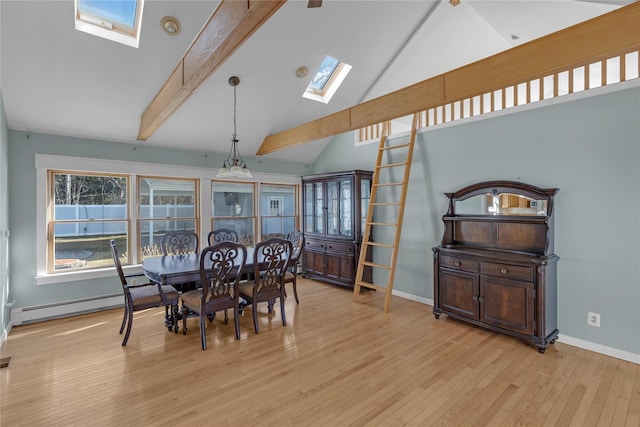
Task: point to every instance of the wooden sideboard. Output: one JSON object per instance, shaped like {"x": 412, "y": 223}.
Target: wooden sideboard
{"x": 495, "y": 266}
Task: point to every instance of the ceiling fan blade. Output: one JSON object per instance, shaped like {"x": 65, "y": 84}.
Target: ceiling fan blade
{"x": 314, "y": 3}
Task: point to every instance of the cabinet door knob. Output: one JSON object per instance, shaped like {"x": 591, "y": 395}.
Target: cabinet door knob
{"x": 480, "y": 299}
{"x": 475, "y": 298}
{"x": 504, "y": 270}
{"x": 456, "y": 263}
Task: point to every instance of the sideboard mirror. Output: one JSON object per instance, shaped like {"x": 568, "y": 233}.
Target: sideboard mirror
{"x": 501, "y": 204}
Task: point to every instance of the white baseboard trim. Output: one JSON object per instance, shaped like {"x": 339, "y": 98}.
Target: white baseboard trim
{"x": 599, "y": 348}
{"x": 565, "y": 339}
{"x": 423, "y": 300}
{"x": 24, "y": 315}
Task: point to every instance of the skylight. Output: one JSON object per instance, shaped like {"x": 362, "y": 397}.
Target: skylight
{"x": 116, "y": 20}
{"x": 327, "y": 80}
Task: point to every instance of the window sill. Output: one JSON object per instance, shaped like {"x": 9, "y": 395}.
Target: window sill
{"x": 50, "y": 279}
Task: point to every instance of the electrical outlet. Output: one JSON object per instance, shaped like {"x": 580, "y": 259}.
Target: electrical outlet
{"x": 593, "y": 319}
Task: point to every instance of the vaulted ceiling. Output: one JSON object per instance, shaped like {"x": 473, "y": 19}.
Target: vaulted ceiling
{"x": 59, "y": 81}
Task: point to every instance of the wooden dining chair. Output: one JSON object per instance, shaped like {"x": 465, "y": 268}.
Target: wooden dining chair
{"x": 220, "y": 268}
{"x": 179, "y": 242}
{"x": 270, "y": 261}
{"x": 297, "y": 240}
{"x": 142, "y": 296}
{"x": 222, "y": 235}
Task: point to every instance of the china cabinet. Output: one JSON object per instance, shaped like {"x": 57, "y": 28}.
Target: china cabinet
{"x": 334, "y": 212}
{"x": 495, "y": 266}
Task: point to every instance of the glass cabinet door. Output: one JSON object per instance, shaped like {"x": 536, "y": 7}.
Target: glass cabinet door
{"x": 346, "y": 202}
{"x": 313, "y": 207}
{"x": 308, "y": 208}
{"x": 365, "y": 197}
{"x": 332, "y": 208}
{"x": 318, "y": 205}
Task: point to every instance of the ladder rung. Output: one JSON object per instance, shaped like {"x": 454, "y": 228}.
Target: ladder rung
{"x": 372, "y": 286}
{"x": 391, "y": 147}
{"x": 373, "y": 264}
{"x": 384, "y": 204}
{"x": 386, "y": 245}
{"x": 391, "y": 165}
{"x": 391, "y": 224}
{"x": 388, "y": 184}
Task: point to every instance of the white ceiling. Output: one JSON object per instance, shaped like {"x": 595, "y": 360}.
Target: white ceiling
{"x": 59, "y": 81}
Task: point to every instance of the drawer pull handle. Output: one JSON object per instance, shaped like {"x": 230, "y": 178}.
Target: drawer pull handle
{"x": 456, "y": 263}
{"x": 330, "y": 246}
{"x": 504, "y": 270}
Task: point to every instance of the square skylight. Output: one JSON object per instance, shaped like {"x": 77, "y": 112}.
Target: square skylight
{"x": 116, "y": 20}
{"x": 326, "y": 81}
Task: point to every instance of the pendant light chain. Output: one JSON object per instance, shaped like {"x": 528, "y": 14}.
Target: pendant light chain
{"x": 234, "y": 166}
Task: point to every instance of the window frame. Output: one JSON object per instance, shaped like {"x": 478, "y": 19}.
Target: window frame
{"x": 45, "y": 162}
{"x": 297, "y": 191}
{"x": 52, "y": 221}
{"x": 256, "y": 214}
{"x": 140, "y": 219}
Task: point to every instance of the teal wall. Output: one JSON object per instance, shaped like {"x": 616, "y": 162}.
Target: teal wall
{"x": 588, "y": 148}
{"x": 4, "y": 221}
{"x": 22, "y": 196}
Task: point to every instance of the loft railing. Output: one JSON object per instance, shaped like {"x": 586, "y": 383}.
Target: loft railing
{"x": 589, "y": 75}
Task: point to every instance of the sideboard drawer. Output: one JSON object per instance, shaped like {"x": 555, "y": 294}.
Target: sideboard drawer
{"x": 515, "y": 272}
{"x": 463, "y": 264}
{"x": 316, "y": 245}
{"x": 346, "y": 248}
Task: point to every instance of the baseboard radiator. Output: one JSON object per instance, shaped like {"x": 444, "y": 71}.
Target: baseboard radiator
{"x": 39, "y": 313}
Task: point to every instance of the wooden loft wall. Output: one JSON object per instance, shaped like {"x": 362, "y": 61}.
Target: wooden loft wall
{"x": 613, "y": 34}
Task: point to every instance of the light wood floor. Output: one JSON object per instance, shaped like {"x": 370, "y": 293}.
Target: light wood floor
{"x": 335, "y": 363}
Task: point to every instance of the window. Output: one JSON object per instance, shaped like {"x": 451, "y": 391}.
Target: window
{"x": 278, "y": 210}
{"x": 86, "y": 211}
{"x": 327, "y": 80}
{"x": 78, "y": 211}
{"x": 165, "y": 204}
{"x": 233, "y": 208}
{"x": 116, "y": 20}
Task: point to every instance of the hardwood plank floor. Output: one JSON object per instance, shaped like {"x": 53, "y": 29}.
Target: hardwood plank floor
{"x": 335, "y": 363}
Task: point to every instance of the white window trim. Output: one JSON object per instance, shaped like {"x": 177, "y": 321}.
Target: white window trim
{"x": 44, "y": 162}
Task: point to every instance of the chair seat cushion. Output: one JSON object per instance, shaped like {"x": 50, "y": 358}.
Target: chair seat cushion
{"x": 192, "y": 299}
{"x": 170, "y": 294}
{"x": 246, "y": 288}
{"x": 146, "y": 296}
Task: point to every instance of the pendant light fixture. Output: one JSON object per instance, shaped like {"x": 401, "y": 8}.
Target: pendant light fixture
{"x": 234, "y": 166}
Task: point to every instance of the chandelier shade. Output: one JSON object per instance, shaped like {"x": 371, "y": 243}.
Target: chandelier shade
{"x": 234, "y": 166}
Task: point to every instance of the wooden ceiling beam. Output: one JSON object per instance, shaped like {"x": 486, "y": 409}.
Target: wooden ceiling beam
{"x": 228, "y": 27}
{"x": 602, "y": 37}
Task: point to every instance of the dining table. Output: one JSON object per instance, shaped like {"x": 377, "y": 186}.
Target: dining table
{"x": 178, "y": 270}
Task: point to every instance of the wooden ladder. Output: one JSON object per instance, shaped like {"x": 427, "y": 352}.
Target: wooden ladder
{"x": 368, "y": 245}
